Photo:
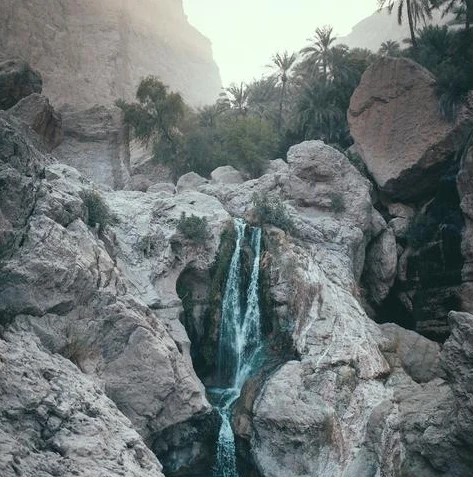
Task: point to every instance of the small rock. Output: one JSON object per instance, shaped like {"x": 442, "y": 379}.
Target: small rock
{"x": 226, "y": 175}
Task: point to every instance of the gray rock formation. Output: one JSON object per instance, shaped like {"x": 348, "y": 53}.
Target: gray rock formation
{"x": 226, "y": 175}
{"x": 17, "y": 80}
{"x": 190, "y": 181}
{"x": 55, "y": 421}
{"x": 380, "y": 266}
{"x": 94, "y": 52}
{"x": 64, "y": 284}
{"x": 96, "y": 143}
{"x": 398, "y": 131}
{"x": 36, "y": 111}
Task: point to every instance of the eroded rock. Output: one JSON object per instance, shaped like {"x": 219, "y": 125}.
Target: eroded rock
{"x": 36, "y": 111}
{"x": 96, "y": 143}
{"x": 397, "y": 128}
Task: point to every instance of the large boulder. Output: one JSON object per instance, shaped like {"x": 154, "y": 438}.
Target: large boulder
{"x": 190, "y": 181}
{"x": 96, "y": 143}
{"x": 226, "y": 175}
{"x": 395, "y": 122}
{"x": 17, "y": 80}
{"x": 36, "y": 111}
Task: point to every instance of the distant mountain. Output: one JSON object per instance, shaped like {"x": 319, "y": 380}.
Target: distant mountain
{"x": 95, "y": 51}
{"x": 381, "y": 26}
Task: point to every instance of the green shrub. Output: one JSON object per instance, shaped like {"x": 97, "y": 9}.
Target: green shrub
{"x": 194, "y": 228}
{"x": 97, "y": 210}
{"x": 272, "y": 211}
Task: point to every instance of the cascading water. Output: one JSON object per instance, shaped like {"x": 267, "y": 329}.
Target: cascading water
{"x": 239, "y": 344}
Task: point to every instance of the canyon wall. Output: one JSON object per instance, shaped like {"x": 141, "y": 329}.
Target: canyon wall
{"x": 91, "y": 52}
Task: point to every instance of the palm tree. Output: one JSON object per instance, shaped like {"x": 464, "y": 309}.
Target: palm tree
{"x": 262, "y": 98}
{"x": 416, "y": 10}
{"x": 318, "y": 51}
{"x": 461, "y": 8}
{"x": 390, "y": 48}
{"x": 238, "y": 97}
{"x": 283, "y": 63}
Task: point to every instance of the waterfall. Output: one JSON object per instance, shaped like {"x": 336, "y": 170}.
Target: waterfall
{"x": 239, "y": 344}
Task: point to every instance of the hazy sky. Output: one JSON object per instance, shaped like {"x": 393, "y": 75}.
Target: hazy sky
{"x": 246, "y": 33}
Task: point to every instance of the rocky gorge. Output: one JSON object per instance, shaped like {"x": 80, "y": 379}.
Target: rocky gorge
{"x": 109, "y": 327}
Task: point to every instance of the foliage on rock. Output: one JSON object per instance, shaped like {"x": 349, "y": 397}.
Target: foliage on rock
{"x": 194, "y": 228}
{"x": 272, "y": 211}
{"x": 97, "y": 210}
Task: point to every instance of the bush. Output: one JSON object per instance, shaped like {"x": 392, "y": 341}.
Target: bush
{"x": 272, "y": 211}
{"x": 98, "y": 211}
{"x": 194, "y": 228}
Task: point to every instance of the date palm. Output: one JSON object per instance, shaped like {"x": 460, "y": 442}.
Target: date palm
{"x": 416, "y": 10}
{"x": 283, "y": 62}
{"x": 318, "y": 51}
{"x": 461, "y": 8}
{"x": 238, "y": 97}
{"x": 390, "y": 48}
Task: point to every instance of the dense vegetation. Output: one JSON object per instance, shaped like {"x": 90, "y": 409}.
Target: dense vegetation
{"x": 304, "y": 96}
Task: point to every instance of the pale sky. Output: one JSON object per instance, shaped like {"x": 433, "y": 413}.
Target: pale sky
{"x": 246, "y": 33}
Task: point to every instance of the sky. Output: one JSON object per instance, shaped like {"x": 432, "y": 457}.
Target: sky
{"x": 245, "y": 34}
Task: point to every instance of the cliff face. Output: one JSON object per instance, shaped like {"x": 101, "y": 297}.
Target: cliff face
{"x": 95, "y": 51}
{"x": 381, "y": 26}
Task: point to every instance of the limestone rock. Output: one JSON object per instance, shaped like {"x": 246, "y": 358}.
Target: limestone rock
{"x": 63, "y": 284}
{"x": 226, "y": 175}
{"x": 17, "y": 80}
{"x": 36, "y": 111}
{"x": 381, "y": 266}
{"x": 190, "y": 181}
{"x": 139, "y": 182}
{"x": 419, "y": 357}
{"x": 394, "y": 120}
{"x": 96, "y": 143}
{"x": 167, "y": 187}
{"x": 21, "y": 166}
{"x": 55, "y": 421}
{"x": 142, "y": 161}
{"x": 276, "y": 165}
{"x": 106, "y": 48}
{"x": 397, "y": 209}
{"x": 399, "y": 226}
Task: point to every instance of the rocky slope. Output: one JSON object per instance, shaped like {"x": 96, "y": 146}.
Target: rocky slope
{"x": 99, "y": 50}
{"x": 96, "y": 365}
